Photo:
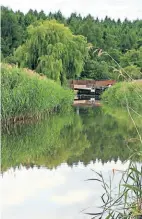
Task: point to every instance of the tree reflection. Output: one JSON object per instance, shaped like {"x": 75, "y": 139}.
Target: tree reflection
{"x": 93, "y": 134}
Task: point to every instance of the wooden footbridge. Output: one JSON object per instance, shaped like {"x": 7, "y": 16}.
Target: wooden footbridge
{"x": 90, "y": 85}
{"x": 87, "y": 88}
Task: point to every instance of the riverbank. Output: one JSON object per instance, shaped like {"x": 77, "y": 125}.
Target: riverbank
{"x": 27, "y": 94}
{"x": 124, "y": 95}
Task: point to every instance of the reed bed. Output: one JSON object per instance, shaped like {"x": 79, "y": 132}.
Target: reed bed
{"x": 125, "y": 95}
{"x": 27, "y": 94}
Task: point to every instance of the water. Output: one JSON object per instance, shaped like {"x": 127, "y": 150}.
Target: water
{"x": 45, "y": 164}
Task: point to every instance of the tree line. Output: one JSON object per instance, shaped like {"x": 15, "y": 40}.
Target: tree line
{"x": 74, "y": 47}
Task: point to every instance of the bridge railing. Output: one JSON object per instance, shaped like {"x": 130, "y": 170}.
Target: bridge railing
{"x": 91, "y": 83}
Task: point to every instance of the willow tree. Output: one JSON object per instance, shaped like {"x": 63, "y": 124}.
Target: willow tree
{"x": 53, "y": 50}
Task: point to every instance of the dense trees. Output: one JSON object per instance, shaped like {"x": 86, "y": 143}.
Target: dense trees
{"x": 11, "y": 32}
{"x": 121, "y": 44}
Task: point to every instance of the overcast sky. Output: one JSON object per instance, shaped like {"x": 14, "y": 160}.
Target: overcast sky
{"x": 131, "y": 9}
{"x": 58, "y": 193}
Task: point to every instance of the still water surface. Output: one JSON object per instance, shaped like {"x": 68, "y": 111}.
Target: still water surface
{"x": 45, "y": 163}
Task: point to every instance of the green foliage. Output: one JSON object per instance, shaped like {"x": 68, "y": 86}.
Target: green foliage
{"x": 53, "y": 50}
{"x": 127, "y": 95}
{"x": 30, "y": 17}
{"x": 95, "y": 70}
{"x": 131, "y": 72}
{"x": 25, "y": 93}
{"x": 11, "y": 32}
{"x": 121, "y": 40}
{"x": 132, "y": 57}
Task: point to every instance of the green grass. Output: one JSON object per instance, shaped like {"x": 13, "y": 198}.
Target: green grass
{"x": 25, "y": 93}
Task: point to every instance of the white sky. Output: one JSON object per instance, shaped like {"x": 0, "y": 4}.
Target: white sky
{"x": 59, "y": 193}
{"x": 130, "y": 9}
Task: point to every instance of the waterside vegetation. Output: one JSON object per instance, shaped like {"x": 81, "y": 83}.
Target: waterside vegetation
{"x": 27, "y": 94}
{"x": 62, "y": 49}
{"x": 125, "y": 95}
{"x": 68, "y": 48}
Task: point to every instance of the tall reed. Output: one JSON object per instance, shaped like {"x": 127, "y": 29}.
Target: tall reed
{"x": 26, "y": 93}
{"x": 117, "y": 95}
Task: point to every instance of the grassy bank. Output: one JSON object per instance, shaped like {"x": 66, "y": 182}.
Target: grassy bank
{"x": 126, "y": 95}
{"x": 124, "y": 102}
{"x": 26, "y": 93}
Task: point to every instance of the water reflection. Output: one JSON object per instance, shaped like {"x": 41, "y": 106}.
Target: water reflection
{"x": 45, "y": 163}
{"x": 88, "y": 135}
{"x": 58, "y": 193}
